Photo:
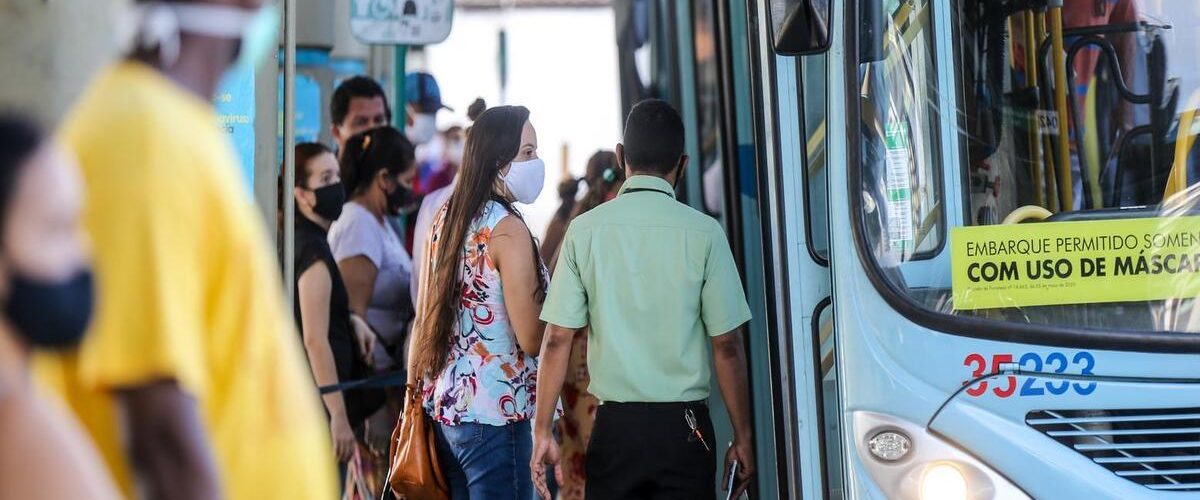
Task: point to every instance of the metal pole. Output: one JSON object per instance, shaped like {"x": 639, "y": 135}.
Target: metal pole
{"x": 1065, "y": 186}
{"x": 289, "y": 149}
{"x": 1031, "y": 82}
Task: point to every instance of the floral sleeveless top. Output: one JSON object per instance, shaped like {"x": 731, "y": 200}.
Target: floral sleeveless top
{"x": 488, "y": 379}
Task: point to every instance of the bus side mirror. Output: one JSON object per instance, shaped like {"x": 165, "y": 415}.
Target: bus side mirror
{"x": 800, "y": 27}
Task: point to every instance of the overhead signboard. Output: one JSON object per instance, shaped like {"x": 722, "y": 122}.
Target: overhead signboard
{"x": 401, "y": 22}
{"x": 1054, "y": 263}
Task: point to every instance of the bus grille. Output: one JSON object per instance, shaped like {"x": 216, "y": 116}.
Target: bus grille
{"x": 1157, "y": 448}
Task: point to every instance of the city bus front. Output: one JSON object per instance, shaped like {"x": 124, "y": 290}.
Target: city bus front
{"x": 1014, "y": 250}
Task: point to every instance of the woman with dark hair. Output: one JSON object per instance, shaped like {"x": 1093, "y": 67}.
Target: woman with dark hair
{"x": 377, "y": 171}
{"x": 46, "y": 296}
{"x": 378, "y": 167}
{"x": 478, "y": 332}
{"x": 338, "y": 347}
{"x": 604, "y": 180}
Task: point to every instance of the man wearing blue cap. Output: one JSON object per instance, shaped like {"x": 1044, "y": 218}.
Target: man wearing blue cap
{"x": 424, "y": 100}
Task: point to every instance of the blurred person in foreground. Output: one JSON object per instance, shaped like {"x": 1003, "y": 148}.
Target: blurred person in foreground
{"x": 46, "y": 294}
{"x": 338, "y": 349}
{"x": 604, "y": 179}
{"x": 654, "y": 282}
{"x": 473, "y": 346}
{"x": 192, "y": 381}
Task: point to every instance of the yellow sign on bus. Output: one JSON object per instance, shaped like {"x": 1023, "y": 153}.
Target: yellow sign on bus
{"x": 1085, "y": 262}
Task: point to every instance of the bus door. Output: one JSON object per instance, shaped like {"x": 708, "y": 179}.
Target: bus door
{"x": 1013, "y": 230}
{"x": 694, "y": 55}
{"x": 795, "y": 169}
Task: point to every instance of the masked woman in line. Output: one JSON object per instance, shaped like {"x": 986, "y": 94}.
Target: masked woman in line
{"x": 377, "y": 169}
{"x": 46, "y": 291}
{"x": 337, "y": 350}
{"x": 478, "y": 329}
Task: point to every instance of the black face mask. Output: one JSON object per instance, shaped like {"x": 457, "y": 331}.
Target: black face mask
{"x": 398, "y": 199}
{"x": 329, "y": 201}
{"x": 50, "y": 315}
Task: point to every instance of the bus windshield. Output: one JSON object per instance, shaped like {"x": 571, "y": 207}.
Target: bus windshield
{"x": 1032, "y": 164}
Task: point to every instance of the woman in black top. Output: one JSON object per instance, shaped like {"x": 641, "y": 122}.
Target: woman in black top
{"x": 334, "y": 339}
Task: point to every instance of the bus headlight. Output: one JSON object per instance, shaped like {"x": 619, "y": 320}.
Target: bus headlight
{"x": 926, "y": 466}
{"x": 889, "y": 445}
{"x": 943, "y": 481}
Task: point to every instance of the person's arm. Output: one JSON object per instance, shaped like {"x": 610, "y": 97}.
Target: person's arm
{"x": 315, "y": 286}
{"x": 723, "y": 310}
{"x": 729, "y": 359}
{"x": 359, "y": 274}
{"x": 511, "y": 249}
{"x": 552, "y": 370}
{"x": 167, "y": 444}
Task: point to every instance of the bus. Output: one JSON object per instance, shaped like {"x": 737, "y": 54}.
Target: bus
{"x": 967, "y": 231}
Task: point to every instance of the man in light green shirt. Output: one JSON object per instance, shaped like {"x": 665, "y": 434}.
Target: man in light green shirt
{"x": 655, "y": 283}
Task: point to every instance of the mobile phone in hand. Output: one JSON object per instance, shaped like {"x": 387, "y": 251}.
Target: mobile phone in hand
{"x": 733, "y": 474}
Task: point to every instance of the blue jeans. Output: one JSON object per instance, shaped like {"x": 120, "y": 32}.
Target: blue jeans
{"x": 485, "y": 462}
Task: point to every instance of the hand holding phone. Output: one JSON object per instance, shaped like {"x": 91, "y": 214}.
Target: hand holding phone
{"x": 733, "y": 472}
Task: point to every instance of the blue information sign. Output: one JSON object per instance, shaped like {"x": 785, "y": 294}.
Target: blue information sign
{"x": 234, "y": 103}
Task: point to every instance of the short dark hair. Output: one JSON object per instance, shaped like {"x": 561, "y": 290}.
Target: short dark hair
{"x": 653, "y": 140}
{"x": 366, "y": 153}
{"x": 361, "y": 87}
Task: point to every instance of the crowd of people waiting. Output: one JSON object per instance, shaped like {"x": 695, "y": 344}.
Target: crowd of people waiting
{"x": 589, "y": 354}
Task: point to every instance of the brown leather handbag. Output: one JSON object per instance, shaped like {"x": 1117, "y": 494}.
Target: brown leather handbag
{"x": 414, "y": 473}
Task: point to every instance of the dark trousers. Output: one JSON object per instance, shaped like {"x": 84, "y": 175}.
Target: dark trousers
{"x": 647, "y": 450}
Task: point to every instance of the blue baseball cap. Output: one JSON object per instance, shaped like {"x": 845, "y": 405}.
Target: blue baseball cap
{"x": 421, "y": 90}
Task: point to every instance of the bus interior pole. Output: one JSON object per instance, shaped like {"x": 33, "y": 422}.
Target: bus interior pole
{"x": 1031, "y": 82}
{"x": 289, "y": 150}
{"x": 1065, "y": 186}
{"x": 1049, "y": 172}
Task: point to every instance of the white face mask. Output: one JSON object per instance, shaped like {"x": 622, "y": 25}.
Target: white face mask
{"x": 455, "y": 152}
{"x": 525, "y": 179}
{"x": 161, "y": 23}
{"x": 423, "y": 128}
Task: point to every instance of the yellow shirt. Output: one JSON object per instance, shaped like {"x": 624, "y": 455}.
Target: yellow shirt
{"x": 187, "y": 290}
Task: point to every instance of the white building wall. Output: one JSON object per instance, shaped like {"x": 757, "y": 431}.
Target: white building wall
{"x": 562, "y": 65}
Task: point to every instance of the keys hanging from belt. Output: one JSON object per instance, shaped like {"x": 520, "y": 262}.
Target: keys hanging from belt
{"x": 690, "y": 417}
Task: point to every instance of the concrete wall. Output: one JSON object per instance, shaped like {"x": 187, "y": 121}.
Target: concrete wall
{"x": 50, "y": 50}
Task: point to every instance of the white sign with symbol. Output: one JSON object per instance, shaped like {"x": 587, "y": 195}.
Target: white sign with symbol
{"x": 401, "y": 22}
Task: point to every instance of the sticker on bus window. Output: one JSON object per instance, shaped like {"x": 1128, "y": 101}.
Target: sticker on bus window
{"x": 1047, "y": 121}
{"x": 899, "y": 189}
{"x": 1083, "y": 262}
{"x": 1055, "y": 368}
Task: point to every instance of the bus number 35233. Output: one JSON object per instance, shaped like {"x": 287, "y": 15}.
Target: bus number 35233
{"x": 1054, "y": 363}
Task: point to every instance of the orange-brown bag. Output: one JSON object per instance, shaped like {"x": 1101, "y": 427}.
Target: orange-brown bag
{"x": 414, "y": 473}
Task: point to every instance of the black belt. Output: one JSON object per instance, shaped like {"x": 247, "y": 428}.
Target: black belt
{"x": 663, "y": 406}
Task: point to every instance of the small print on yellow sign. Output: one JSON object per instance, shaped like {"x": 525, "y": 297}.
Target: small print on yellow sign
{"x": 1054, "y": 263}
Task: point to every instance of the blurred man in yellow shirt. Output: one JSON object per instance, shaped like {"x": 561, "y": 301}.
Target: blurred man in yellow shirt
{"x": 192, "y": 381}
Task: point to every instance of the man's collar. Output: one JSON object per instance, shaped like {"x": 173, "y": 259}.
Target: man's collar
{"x": 644, "y": 182}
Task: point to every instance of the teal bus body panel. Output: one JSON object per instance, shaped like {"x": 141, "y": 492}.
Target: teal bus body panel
{"x": 995, "y": 428}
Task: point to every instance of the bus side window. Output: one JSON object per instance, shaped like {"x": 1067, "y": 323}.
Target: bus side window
{"x": 812, "y": 91}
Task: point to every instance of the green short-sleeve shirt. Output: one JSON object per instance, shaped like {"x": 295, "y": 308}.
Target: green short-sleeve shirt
{"x": 653, "y": 279}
